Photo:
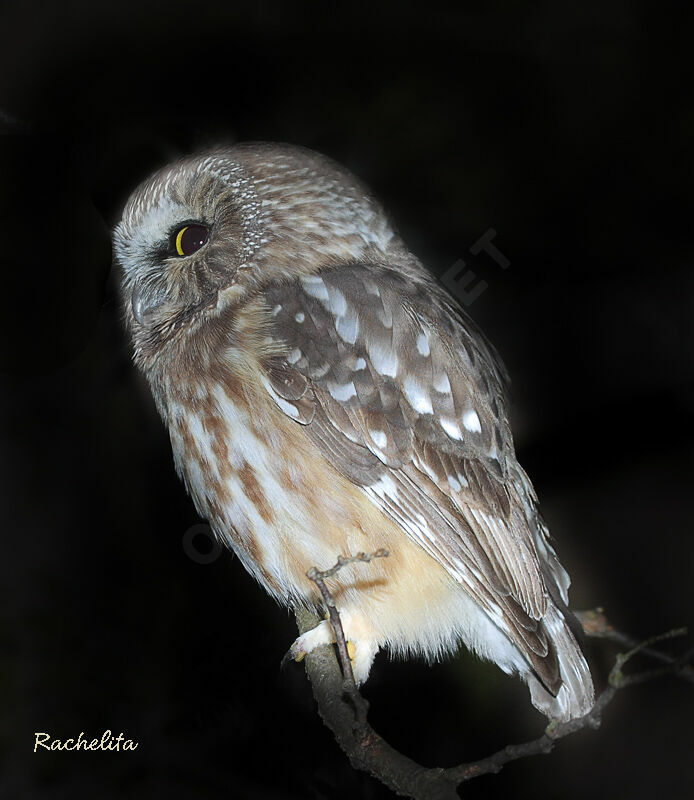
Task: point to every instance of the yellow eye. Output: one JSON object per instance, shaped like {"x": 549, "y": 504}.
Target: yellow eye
{"x": 190, "y": 238}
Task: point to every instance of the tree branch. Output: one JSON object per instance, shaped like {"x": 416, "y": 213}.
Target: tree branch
{"x": 344, "y": 710}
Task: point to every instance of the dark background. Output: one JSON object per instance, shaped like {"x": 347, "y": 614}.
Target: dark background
{"x": 566, "y": 129}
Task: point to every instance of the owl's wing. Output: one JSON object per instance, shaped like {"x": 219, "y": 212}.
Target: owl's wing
{"x": 404, "y": 396}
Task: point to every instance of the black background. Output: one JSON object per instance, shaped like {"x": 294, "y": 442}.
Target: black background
{"x": 568, "y": 130}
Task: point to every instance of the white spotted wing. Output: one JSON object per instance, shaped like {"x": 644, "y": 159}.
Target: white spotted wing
{"x": 403, "y": 395}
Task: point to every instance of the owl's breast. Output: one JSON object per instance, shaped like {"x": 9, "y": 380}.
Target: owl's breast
{"x": 264, "y": 487}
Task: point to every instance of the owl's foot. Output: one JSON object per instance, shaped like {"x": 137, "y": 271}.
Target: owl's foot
{"x": 321, "y": 634}
{"x": 361, "y": 651}
{"x": 361, "y": 656}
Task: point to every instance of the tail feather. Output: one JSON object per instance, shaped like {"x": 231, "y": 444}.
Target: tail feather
{"x": 576, "y": 695}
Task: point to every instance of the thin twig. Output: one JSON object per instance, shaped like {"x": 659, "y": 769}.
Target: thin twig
{"x": 361, "y": 706}
{"x": 596, "y": 626}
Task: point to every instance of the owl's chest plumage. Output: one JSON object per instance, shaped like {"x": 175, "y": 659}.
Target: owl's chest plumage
{"x": 273, "y": 498}
{"x": 263, "y": 486}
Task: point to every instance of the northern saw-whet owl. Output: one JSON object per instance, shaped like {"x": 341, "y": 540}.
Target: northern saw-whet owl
{"x": 325, "y": 395}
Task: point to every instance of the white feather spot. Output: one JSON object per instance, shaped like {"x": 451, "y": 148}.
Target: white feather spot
{"x": 423, "y": 344}
{"x": 276, "y": 310}
{"x": 424, "y": 467}
{"x": 360, "y": 363}
{"x": 384, "y": 360}
{"x": 453, "y": 483}
{"x": 442, "y": 384}
{"x": 451, "y": 428}
{"x": 385, "y": 487}
{"x": 379, "y": 438}
{"x": 386, "y": 318}
{"x": 338, "y": 304}
{"x": 342, "y": 391}
{"x": 472, "y": 422}
{"x": 416, "y": 396}
{"x": 294, "y": 356}
{"x": 289, "y": 409}
{"x": 372, "y": 288}
{"x": 315, "y": 287}
{"x": 300, "y": 317}
{"x": 347, "y": 327}
{"x": 319, "y": 372}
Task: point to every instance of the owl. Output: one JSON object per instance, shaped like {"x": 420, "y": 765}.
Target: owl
{"x": 325, "y": 395}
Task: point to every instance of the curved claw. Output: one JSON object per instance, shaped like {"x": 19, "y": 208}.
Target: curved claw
{"x": 321, "y": 634}
{"x": 292, "y": 655}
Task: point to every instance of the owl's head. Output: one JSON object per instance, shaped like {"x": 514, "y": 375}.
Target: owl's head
{"x": 215, "y": 228}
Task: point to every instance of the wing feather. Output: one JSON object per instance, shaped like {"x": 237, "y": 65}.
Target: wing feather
{"x": 405, "y": 397}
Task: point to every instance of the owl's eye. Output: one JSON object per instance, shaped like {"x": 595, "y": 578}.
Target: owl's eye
{"x": 190, "y": 238}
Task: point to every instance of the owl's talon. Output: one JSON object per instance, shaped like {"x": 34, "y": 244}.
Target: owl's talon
{"x": 351, "y": 650}
{"x": 286, "y": 658}
{"x": 293, "y": 654}
{"x": 321, "y": 634}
